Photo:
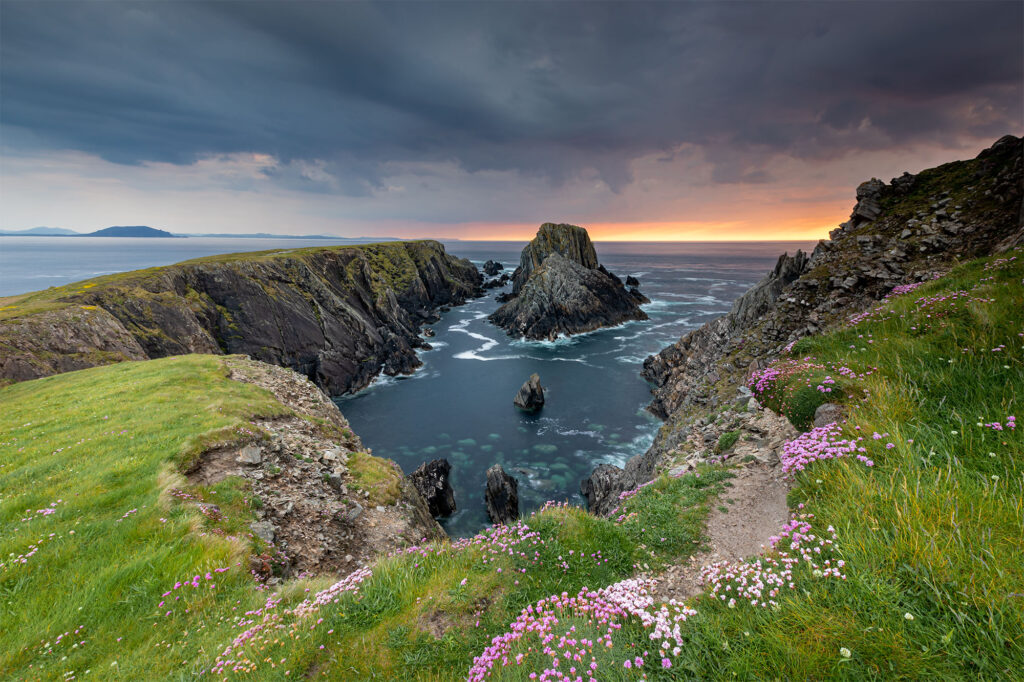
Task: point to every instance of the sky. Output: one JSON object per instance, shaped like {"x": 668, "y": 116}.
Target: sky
{"x": 481, "y": 120}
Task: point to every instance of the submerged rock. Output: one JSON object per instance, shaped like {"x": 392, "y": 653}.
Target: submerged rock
{"x": 431, "y": 480}
{"x": 493, "y": 267}
{"x": 560, "y": 288}
{"x": 531, "y": 395}
{"x": 501, "y": 496}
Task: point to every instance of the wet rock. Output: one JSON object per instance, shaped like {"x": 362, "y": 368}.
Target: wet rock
{"x": 429, "y": 333}
{"x": 492, "y": 268}
{"x": 829, "y": 413}
{"x": 497, "y": 282}
{"x": 531, "y": 395}
{"x": 632, "y": 281}
{"x": 501, "y": 496}
{"x": 432, "y": 481}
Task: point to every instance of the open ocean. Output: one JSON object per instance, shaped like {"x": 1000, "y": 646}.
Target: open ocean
{"x": 459, "y": 404}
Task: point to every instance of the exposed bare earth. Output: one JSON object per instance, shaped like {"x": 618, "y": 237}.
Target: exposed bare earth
{"x": 749, "y": 512}
{"x": 757, "y": 511}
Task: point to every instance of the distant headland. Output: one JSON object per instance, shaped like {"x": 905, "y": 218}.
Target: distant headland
{"x": 146, "y": 231}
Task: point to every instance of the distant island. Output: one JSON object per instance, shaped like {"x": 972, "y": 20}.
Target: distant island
{"x": 115, "y": 231}
{"x": 145, "y": 231}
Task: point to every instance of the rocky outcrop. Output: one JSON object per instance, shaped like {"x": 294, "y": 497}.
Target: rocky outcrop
{"x": 501, "y": 496}
{"x": 632, "y": 281}
{"x": 497, "y": 282}
{"x": 908, "y": 230}
{"x": 560, "y": 288}
{"x": 304, "y": 473}
{"x": 492, "y": 268}
{"x": 569, "y": 241}
{"x": 757, "y": 434}
{"x": 338, "y": 315}
{"x": 530, "y": 397}
{"x": 431, "y": 480}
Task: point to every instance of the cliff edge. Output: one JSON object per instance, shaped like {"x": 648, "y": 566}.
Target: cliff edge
{"x": 337, "y": 315}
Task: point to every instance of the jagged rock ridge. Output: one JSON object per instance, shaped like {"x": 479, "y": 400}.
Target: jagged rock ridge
{"x": 560, "y": 288}
{"x": 338, "y": 315}
{"x": 908, "y": 230}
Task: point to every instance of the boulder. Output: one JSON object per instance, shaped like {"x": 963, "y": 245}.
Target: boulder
{"x": 501, "y": 496}
{"x": 531, "y": 395}
{"x": 632, "y": 281}
{"x": 829, "y": 413}
{"x": 492, "y": 268}
{"x": 432, "y": 482}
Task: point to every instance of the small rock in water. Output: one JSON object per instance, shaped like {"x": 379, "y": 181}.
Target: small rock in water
{"x": 531, "y": 395}
{"x": 501, "y": 496}
{"x": 493, "y": 267}
{"x": 632, "y": 281}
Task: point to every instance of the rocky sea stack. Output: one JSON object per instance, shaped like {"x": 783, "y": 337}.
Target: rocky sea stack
{"x": 502, "y": 496}
{"x": 560, "y": 288}
{"x": 531, "y": 395}
{"x": 432, "y": 482}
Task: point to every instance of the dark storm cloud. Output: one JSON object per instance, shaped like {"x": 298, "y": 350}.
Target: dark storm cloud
{"x": 551, "y": 89}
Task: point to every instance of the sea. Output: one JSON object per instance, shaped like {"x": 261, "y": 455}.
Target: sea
{"x": 458, "y": 405}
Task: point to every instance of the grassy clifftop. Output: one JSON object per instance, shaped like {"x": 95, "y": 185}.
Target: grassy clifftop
{"x": 902, "y": 561}
{"x": 338, "y": 315}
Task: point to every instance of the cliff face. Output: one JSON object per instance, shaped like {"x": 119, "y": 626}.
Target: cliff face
{"x": 560, "y": 288}
{"x": 906, "y": 231}
{"x": 570, "y": 241}
{"x": 912, "y": 229}
{"x": 338, "y": 315}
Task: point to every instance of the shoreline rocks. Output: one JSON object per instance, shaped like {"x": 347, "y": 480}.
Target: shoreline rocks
{"x": 432, "y": 482}
{"x": 530, "y": 397}
{"x": 501, "y": 496}
{"x": 492, "y": 268}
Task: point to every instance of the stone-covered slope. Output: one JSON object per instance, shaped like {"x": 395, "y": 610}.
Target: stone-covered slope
{"x": 912, "y": 229}
{"x": 338, "y": 315}
{"x": 560, "y": 288}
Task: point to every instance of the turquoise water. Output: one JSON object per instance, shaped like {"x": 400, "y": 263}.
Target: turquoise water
{"x": 459, "y": 404}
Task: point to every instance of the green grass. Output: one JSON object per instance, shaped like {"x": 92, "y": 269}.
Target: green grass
{"x": 110, "y": 443}
{"x": 934, "y": 529}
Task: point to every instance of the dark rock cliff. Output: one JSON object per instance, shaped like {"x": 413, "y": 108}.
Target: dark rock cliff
{"x": 911, "y": 229}
{"x": 338, "y": 315}
{"x": 560, "y": 288}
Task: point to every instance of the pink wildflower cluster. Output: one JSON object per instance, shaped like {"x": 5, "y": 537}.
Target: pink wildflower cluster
{"x": 1011, "y": 424}
{"x": 45, "y": 511}
{"x": 822, "y": 442}
{"x": 562, "y": 653}
{"x": 266, "y": 626}
{"x": 933, "y": 307}
{"x": 206, "y": 580}
{"x": 1000, "y": 263}
{"x": 760, "y": 582}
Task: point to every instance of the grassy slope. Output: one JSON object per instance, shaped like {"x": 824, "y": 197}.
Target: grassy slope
{"x": 108, "y": 442}
{"x": 933, "y": 529}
